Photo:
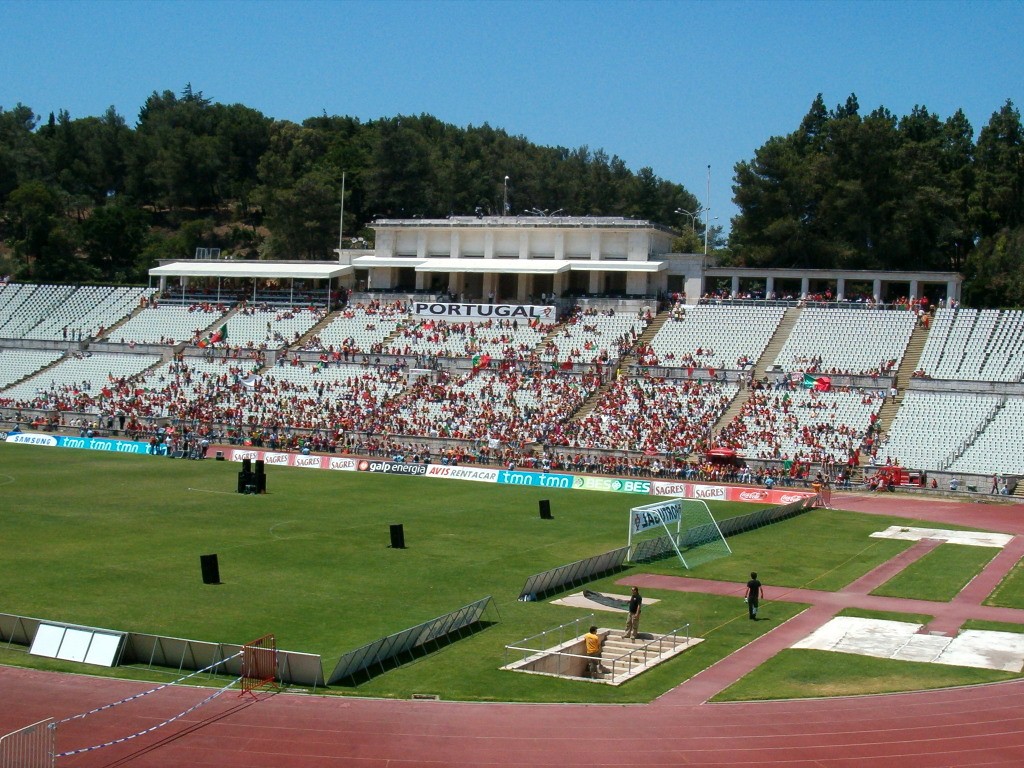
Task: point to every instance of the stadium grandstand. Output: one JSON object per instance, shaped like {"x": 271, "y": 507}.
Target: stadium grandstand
{"x": 535, "y": 342}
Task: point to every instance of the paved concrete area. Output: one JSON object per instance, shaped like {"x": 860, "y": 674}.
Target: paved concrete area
{"x": 967, "y": 538}
{"x": 903, "y": 640}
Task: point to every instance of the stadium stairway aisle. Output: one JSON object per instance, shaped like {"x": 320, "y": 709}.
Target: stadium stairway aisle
{"x": 56, "y": 362}
{"x": 314, "y": 331}
{"x": 108, "y": 334}
{"x": 778, "y": 339}
{"x": 767, "y": 358}
{"x": 652, "y": 330}
{"x": 627, "y": 365}
{"x": 910, "y": 362}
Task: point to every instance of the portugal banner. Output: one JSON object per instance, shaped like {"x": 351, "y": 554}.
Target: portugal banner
{"x": 484, "y": 311}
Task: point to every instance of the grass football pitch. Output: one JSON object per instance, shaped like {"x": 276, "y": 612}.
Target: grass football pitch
{"x": 114, "y": 541}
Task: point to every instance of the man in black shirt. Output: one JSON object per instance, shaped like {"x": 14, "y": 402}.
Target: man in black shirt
{"x": 633, "y": 620}
{"x": 754, "y": 592}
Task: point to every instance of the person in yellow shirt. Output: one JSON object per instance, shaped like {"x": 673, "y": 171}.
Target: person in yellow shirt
{"x": 593, "y": 647}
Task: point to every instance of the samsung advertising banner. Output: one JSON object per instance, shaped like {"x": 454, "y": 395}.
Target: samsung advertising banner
{"x": 88, "y": 443}
{"x": 484, "y": 311}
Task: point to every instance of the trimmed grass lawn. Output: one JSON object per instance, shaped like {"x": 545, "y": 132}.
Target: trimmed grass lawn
{"x": 114, "y": 541}
{"x": 994, "y": 626}
{"x": 940, "y": 574}
{"x": 803, "y": 673}
{"x": 822, "y": 549}
{"x": 1010, "y": 592}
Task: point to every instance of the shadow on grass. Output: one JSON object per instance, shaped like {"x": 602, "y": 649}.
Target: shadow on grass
{"x": 419, "y": 652}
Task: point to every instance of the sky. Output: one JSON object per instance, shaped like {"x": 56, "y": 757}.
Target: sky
{"x": 676, "y": 86}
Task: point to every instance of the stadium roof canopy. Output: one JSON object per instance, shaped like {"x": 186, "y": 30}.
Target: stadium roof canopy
{"x": 507, "y": 266}
{"x": 310, "y": 270}
{"x": 608, "y": 265}
{"x": 510, "y": 266}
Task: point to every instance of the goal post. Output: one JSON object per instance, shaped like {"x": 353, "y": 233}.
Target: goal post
{"x": 702, "y": 540}
{"x": 658, "y": 519}
{"x": 683, "y": 526}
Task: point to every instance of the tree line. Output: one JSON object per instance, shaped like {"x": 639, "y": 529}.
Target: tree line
{"x": 878, "y": 191}
{"x": 97, "y": 199}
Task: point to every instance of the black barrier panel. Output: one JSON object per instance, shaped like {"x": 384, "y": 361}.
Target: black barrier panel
{"x": 211, "y": 570}
{"x": 762, "y": 517}
{"x": 407, "y": 640}
{"x": 581, "y": 570}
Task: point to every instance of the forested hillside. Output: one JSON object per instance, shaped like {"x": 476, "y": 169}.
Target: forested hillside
{"x": 100, "y": 199}
{"x": 97, "y": 199}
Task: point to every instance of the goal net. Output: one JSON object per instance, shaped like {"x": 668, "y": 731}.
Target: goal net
{"x": 684, "y": 527}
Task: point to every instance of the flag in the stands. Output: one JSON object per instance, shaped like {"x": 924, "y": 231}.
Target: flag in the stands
{"x": 819, "y": 383}
{"x": 219, "y": 335}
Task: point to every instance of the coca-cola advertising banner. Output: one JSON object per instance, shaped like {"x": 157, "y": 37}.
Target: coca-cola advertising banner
{"x": 729, "y": 493}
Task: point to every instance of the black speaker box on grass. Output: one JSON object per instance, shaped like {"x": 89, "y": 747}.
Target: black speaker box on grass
{"x": 211, "y": 570}
{"x": 397, "y": 536}
{"x": 545, "y": 509}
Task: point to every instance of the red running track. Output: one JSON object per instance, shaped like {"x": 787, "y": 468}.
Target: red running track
{"x": 974, "y": 726}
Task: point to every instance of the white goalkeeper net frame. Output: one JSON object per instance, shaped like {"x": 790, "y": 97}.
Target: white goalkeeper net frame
{"x": 702, "y": 540}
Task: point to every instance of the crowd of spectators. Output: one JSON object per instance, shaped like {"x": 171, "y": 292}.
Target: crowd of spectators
{"x": 794, "y": 424}
{"x": 652, "y": 415}
{"x": 518, "y": 409}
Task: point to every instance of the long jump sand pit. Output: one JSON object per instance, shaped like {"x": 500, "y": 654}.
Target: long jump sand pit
{"x": 902, "y": 640}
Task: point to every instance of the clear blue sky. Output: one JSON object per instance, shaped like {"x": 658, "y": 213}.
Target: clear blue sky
{"x": 676, "y": 86}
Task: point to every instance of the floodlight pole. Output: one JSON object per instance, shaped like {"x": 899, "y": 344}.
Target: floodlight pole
{"x": 504, "y": 198}
{"x": 707, "y": 211}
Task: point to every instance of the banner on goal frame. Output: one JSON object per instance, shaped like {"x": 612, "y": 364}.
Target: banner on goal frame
{"x": 701, "y": 541}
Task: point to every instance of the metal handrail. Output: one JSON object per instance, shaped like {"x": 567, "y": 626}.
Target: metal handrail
{"x": 560, "y": 629}
{"x": 680, "y": 634}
